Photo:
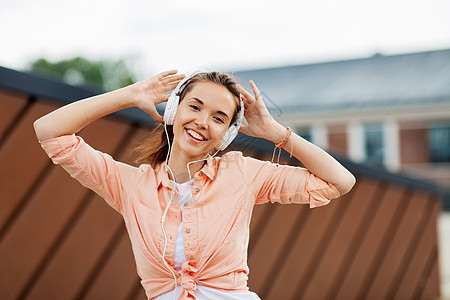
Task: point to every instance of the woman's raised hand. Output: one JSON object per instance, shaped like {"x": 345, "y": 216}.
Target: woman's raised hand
{"x": 73, "y": 117}
{"x": 152, "y": 91}
{"x": 260, "y": 121}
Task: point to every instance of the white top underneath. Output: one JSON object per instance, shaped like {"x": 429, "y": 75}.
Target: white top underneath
{"x": 202, "y": 292}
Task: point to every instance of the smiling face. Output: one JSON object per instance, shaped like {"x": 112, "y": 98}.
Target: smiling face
{"x": 202, "y": 119}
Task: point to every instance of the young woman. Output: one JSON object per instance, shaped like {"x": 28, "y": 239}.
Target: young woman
{"x": 188, "y": 212}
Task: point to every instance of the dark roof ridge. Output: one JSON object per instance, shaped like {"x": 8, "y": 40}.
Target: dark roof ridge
{"x": 376, "y": 55}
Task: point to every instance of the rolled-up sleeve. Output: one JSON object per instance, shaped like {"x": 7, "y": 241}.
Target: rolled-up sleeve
{"x": 93, "y": 169}
{"x": 285, "y": 184}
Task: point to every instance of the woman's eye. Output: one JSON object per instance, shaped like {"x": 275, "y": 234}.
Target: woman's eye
{"x": 219, "y": 120}
{"x": 195, "y": 107}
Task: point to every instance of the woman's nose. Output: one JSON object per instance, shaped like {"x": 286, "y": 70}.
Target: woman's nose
{"x": 202, "y": 120}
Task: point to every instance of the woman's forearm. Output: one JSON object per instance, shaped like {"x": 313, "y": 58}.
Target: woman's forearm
{"x": 75, "y": 116}
{"x": 316, "y": 160}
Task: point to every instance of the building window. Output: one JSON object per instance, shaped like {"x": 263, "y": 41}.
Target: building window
{"x": 439, "y": 138}
{"x": 373, "y": 144}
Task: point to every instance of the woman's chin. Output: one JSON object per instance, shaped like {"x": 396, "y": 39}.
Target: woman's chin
{"x": 193, "y": 151}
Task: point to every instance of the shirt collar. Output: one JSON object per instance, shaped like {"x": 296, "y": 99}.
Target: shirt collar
{"x": 209, "y": 168}
{"x": 162, "y": 176}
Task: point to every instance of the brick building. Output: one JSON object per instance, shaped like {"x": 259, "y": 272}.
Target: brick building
{"x": 386, "y": 111}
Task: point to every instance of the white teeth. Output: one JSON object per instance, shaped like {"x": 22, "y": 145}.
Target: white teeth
{"x": 195, "y": 135}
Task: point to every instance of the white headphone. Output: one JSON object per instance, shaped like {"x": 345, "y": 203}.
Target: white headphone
{"x": 172, "y": 107}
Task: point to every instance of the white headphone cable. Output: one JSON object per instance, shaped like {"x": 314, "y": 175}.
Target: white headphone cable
{"x": 172, "y": 194}
{"x": 194, "y": 161}
{"x": 165, "y": 243}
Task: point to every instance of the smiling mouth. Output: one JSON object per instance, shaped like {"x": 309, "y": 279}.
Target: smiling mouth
{"x": 195, "y": 135}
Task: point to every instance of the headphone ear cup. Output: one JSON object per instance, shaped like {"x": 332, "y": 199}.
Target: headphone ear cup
{"x": 171, "y": 108}
{"x": 223, "y": 143}
{"x": 233, "y": 131}
{"x": 172, "y": 103}
{"x": 229, "y": 136}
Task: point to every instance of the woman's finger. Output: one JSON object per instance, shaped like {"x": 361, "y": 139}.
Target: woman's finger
{"x": 255, "y": 90}
{"x": 166, "y": 73}
{"x": 171, "y": 86}
{"x": 171, "y": 79}
{"x": 244, "y": 92}
{"x": 247, "y": 97}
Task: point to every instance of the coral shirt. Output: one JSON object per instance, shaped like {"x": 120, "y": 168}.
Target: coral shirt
{"x": 202, "y": 292}
{"x": 215, "y": 223}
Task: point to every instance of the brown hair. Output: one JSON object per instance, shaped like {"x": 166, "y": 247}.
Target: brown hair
{"x": 154, "y": 149}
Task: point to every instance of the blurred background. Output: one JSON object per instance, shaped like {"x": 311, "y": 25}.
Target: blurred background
{"x": 152, "y": 36}
{"x": 367, "y": 80}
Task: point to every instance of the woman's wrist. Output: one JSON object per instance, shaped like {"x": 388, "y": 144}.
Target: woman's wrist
{"x": 276, "y": 133}
{"x": 131, "y": 95}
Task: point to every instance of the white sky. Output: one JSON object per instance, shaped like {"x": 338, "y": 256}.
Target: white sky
{"x": 225, "y": 35}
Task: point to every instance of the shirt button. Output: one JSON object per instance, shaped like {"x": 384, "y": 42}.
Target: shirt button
{"x": 188, "y": 230}
{"x": 185, "y": 204}
{"x": 189, "y": 257}
{"x": 200, "y": 174}
{"x": 197, "y": 190}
